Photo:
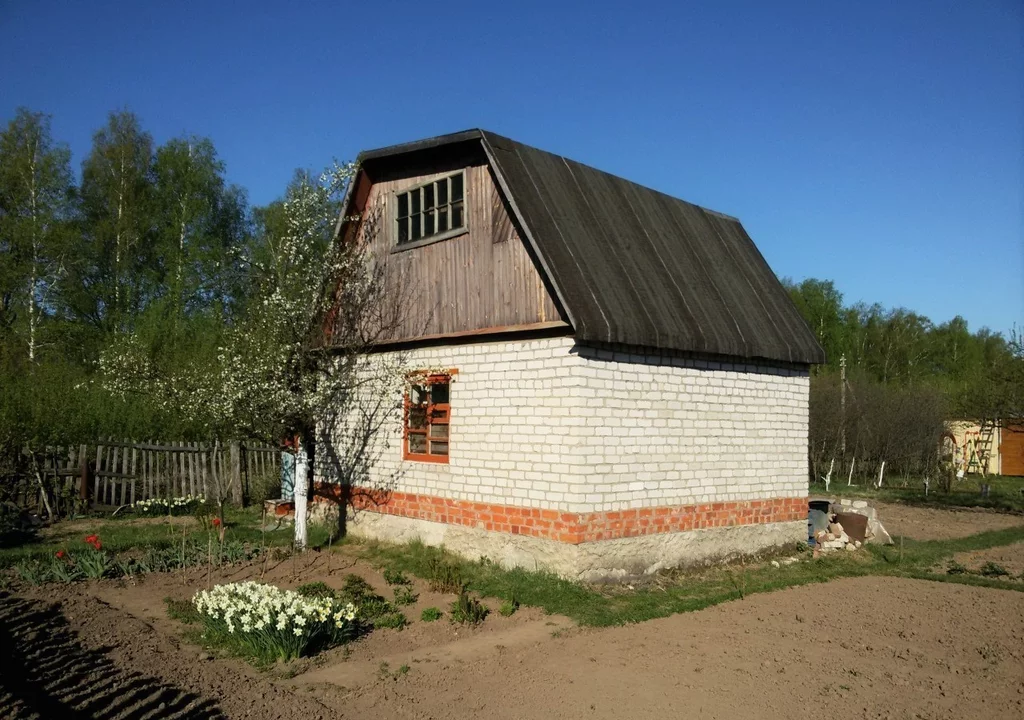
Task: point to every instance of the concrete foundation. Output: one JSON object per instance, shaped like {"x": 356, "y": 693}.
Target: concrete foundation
{"x": 588, "y": 561}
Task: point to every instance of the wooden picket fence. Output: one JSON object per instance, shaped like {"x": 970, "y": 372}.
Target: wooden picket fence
{"x": 116, "y": 473}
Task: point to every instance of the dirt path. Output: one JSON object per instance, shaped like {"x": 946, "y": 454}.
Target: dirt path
{"x": 876, "y": 647}
{"x": 921, "y": 523}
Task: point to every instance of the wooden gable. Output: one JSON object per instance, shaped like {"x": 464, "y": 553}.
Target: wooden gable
{"x": 480, "y": 281}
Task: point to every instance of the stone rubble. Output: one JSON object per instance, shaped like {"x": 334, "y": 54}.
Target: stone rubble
{"x": 876, "y": 532}
{"x": 835, "y": 537}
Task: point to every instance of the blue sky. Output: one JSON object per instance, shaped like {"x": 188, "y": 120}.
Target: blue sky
{"x": 877, "y": 144}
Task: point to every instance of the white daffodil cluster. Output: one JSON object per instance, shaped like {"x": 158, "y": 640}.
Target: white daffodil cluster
{"x": 273, "y": 616}
{"x": 164, "y": 506}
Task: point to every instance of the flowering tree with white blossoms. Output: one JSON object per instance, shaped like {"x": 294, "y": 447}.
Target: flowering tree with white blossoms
{"x": 297, "y": 364}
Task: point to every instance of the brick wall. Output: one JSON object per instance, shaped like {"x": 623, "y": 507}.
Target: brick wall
{"x": 546, "y": 425}
{"x": 575, "y": 528}
{"x": 663, "y": 430}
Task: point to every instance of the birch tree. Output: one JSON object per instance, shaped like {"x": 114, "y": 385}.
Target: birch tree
{"x": 117, "y": 269}
{"x": 36, "y": 195}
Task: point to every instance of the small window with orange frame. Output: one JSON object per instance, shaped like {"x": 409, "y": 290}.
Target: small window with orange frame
{"x": 427, "y": 417}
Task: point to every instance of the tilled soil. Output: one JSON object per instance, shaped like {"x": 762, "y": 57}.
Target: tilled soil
{"x": 923, "y": 523}
{"x": 1008, "y": 557}
{"x": 874, "y": 647}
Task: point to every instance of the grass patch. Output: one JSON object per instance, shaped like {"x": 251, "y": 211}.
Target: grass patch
{"x": 182, "y": 611}
{"x": 444, "y": 576}
{"x": 673, "y": 592}
{"x": 430, "y": 614}
{"x": 151, "y": 536}
{"x": 395, "y": 577}
{"x": 1005, "y": 493}
{"x": 993, "y": 570}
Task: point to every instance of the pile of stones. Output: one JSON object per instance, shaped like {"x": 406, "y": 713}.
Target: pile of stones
{"x": 862, "y": 526}
{"x": 835, "y": 538}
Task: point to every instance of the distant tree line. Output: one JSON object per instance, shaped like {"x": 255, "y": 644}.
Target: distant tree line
{"x": 905, "y": 377}
{"x": 152, "y": 243}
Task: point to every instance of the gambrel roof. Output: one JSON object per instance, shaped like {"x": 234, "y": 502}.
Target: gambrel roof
{"x": 630, "y": 265}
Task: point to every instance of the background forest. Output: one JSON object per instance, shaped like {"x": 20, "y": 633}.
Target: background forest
{"x": 153, "y": 242}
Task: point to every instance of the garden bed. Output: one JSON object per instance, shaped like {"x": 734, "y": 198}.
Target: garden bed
{"x": 960, "y": 643}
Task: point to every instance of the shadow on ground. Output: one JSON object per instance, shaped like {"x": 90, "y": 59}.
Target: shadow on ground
{"x": 45, "y": 672}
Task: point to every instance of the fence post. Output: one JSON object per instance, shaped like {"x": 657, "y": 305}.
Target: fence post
{"x": 83, "y": 473}
{"x": 236, "y": 474}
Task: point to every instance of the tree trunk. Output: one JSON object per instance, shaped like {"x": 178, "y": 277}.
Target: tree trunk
{"x": 301, "y": 497}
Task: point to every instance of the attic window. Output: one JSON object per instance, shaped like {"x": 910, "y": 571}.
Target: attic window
{"x": 434, "y": 210}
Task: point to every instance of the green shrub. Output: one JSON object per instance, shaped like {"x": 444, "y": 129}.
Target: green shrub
{"x": 991, "y": 569}
{"x": 14, "y": 530}
{"x": 405, "y": 596}
{"x": 373, "y": 608}
{"x": 394, "y": 619}
{"x": 430, "y": 614}
{"x": 508, "y": 608}
{"x": 316, "y": 590}
{"x": 955, "y": 568}
{"x": 357, "y": 591}
{"x": 468, "y": 610}
{"x": 395, "y": 577}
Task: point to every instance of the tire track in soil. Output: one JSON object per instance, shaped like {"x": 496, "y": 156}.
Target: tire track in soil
{"x": 46, "y": 672}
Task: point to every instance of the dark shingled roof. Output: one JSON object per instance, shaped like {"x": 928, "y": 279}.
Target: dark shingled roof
{"x": 634, "y": 266}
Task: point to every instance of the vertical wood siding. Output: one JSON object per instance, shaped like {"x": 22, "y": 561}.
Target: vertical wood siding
{"x": 483, "y": 279}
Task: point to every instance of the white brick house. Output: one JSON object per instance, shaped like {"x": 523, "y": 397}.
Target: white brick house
{"x": 618, "y": 382}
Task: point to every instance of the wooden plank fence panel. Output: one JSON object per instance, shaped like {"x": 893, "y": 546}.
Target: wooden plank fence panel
{"x": 124, "y": 473}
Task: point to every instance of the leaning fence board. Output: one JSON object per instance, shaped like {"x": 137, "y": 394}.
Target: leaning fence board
{"x": 135, "y": 459}
{"x": 96, "y": 480}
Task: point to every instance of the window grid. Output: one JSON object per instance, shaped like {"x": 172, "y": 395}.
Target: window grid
{"x": 427, "y": 420}
{"x": 434, "y": 208}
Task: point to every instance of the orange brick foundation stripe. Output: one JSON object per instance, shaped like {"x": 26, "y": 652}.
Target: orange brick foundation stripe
{"x": 575, "y": 528}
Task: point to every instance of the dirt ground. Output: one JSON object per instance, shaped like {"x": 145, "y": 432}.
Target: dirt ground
{"x": 1009, "y": 557}
{"x": 871, "y": 647}
{"x": 921, "y": 523}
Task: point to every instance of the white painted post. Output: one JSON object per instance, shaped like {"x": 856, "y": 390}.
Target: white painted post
{"x": 301, "y": 491}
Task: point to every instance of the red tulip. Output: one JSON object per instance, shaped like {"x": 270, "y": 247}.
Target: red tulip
{"x": 60, "y": 553}
{"x": 216, "y": 522}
